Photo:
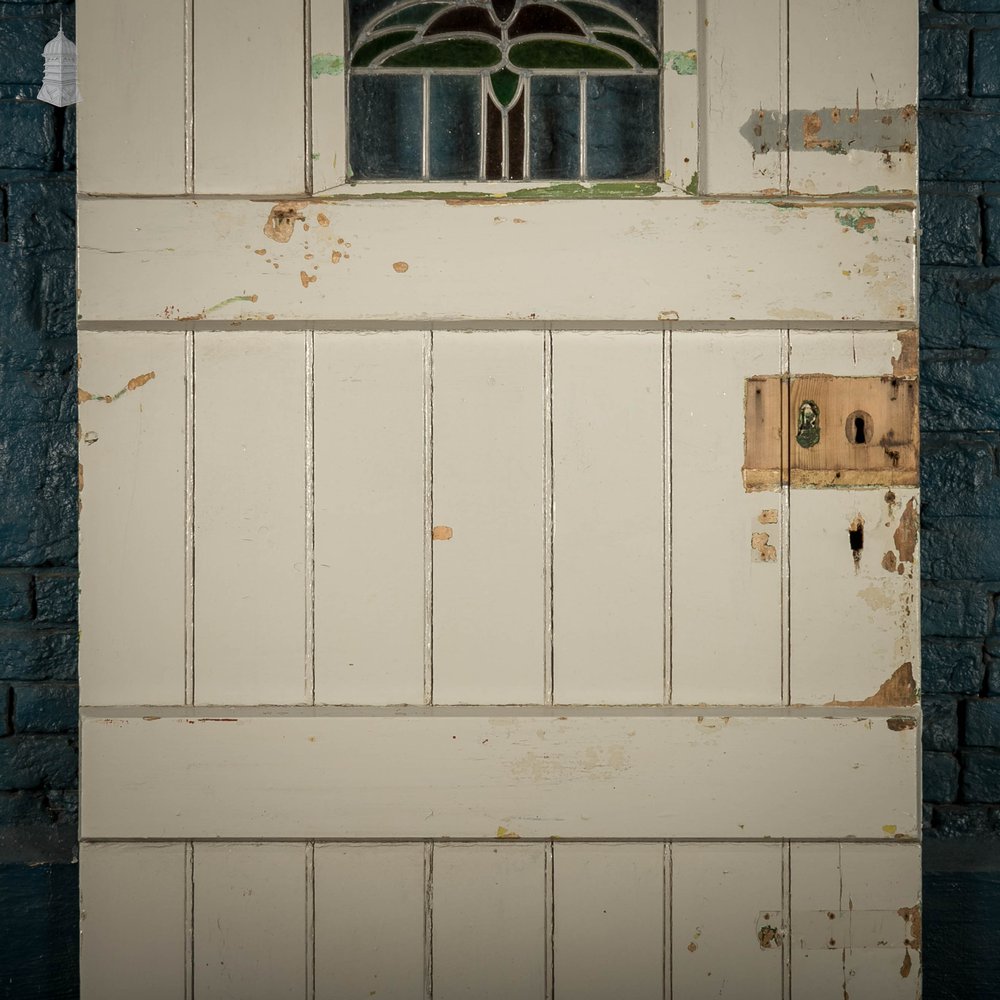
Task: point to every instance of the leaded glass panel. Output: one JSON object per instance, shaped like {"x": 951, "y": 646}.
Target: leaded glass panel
{"x": 504, "y": 89}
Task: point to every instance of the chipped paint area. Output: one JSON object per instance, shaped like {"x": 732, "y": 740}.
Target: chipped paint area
{"x": 504, "y": 834}
{"x": 82, "y": 396}
{"x": 280, "y": 224}
{"x": 442, "y": 533}
{"x": 760, "y": 544}
{"x": 833, "y": 130}
{"x": 857, "y": 219}
{"x": 683, "y": 63}
{"x": 899, "y": 689}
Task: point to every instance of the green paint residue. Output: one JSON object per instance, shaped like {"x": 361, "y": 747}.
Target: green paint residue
{"x": 230, "y": 301}
{"x": 692, "y": 185}
{"x": 569, "y": 190}
{"x": 682, "y": 63}
{"x": 855, "y": 218}
{"x": 871, "y": 189}
{"x": 326, "y": 64}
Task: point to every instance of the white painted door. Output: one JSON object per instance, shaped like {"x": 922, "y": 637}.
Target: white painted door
{"x": 498, "y": 588}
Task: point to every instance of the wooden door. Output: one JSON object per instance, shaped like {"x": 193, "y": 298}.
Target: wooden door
{"x": 501, "y": 585}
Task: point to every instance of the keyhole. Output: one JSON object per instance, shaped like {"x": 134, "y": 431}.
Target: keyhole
{"x": 858, "y": 427}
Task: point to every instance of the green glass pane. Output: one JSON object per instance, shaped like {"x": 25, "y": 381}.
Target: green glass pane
{"x": 416, "y": 14}
{"x": 458, "y": 53}
{"x": 504, "y": 86}
{"x": 553, "y": 54}
{"x": 635, "y": 48}
{"x": 599, "y": 17}
{"x": 370, "y": 51}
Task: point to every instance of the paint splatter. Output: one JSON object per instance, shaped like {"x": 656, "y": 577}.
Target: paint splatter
{"x": 131, "y": 385}
{"x": 401, "y": 267}
{"x": 306, "y": 279}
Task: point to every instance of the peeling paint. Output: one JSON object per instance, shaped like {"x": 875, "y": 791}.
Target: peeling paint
{"x": 769, "y": 937}
{"x": 692, "y": 185}
{"x": 911, "y": 915}
{"x": 400, "y": 267}
{"x": 904, "y": 969}
{"x": 899, "y": 689}
{"x": 280, "y": 225}
{"x": 829, "y": 130}
{"x": 306, "y": 279}
{"x": 899, "y": 723}
{"x": 889, "y": 561}
{"x": 906, "y": 365}
{"x": 855, "y": 218}
{"x": 760, "y": 543}
{"x": 442, "y": 533}
{"x": 131, "y": 385}
{"x": 905, "y": 536}
{"x": 326, "y": 64}
{"x": 683, "y": 63}
{"x": 769, "y": 516}
{"x": 504, "y": 834}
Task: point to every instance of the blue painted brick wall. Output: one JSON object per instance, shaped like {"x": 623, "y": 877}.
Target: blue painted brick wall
{"x": 960, "y": 373}
{"x": 38, "y": 504}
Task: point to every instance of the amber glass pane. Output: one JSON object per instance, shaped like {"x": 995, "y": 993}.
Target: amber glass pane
{"x": 494, "y": 142}
{"x": 555, "y": 54}
{"x": 515, "y": 140}
{"x": 455, "y": 52}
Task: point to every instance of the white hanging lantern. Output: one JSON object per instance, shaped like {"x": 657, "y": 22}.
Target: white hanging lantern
{"x": 59, "y": 85}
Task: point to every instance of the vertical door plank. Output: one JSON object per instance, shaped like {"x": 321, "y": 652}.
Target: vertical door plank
{"x": 681, "y": 94}
{"x": 489, "y": 921}
{"x": 329, "y": 104}
{"x": 726, "y": 612}
{"x": 249, "y": 921}
{"x": 253, "y": 61}
{"x": 132, "y": 541}
{"x": 608, "y": 516}
{"x": 855, "y": 615}
{"x": 132, "y": 120}
{"x": 742, "y": 67}
{"x": 852, "y": 920}
{"x": 133, "y": 919}
{"x": 249, "y": 518}
{"x": 609, "y": 921}
{"x": 369, "y": 521}
{"x": 488, "y": 535}
{"x": 853, "y": 94}
{"x": 723, "y": 896}
{"x": 370, "y": 921}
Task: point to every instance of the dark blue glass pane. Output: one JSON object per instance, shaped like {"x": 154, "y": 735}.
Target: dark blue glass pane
{"x": 454, "y": 126}
{"x": 386, "y": 126}
{"x": 554, "y": 127}
{"x": 623, "y": 127}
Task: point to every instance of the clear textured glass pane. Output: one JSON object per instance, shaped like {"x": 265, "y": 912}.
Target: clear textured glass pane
{"x": 455, "y": 103}
{"x": 623, "y": 127}
{"x": 386, "y": 129}
{"x": 554, "y": 128}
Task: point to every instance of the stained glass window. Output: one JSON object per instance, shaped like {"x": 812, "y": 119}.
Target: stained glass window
{"x": 504, "y": 89}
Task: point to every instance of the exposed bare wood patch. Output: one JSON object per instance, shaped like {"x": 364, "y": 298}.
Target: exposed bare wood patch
{"x": 904, "y": 969}
{"x": 442, "y": 533}
{"x": 900, "y": 722}
{"x": 768, "y": 516}
{"x": 280, "y": 225}
{"x": 845, "y": 432}
{"x": 82, "y": 396}
{"x": 899, "y": 689}
{"x": 906, "y": 364}
{"x": 905, "y": 536}
{"x": 914, "y": 926}
{"x": 401, "y": 267}
{"x": 889, "y": 561}
{"x": 760, "y": 543}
